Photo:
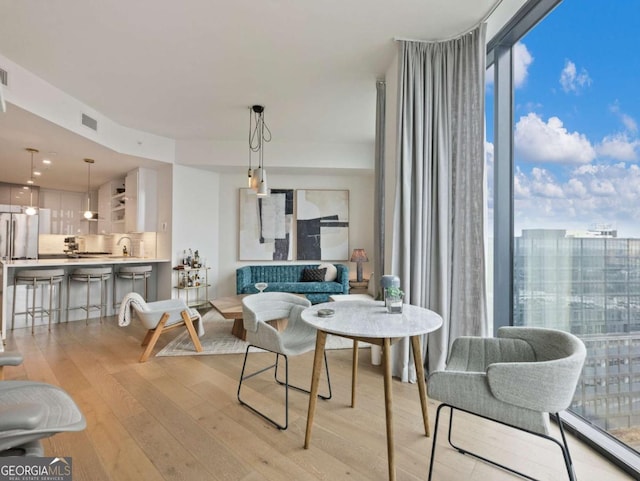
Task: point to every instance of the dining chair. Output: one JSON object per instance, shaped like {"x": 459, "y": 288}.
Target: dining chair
{"x": 515, "y": 379}
{"x": 297, "y": 338}
{"x": 31, "y": 411}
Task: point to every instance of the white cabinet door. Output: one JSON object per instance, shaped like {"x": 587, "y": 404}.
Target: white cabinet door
{"x": 104, "y": 209}
{"x": 72, "y": 207}
{"x": 141, "y": 210}
{"x": 131, "y": 205}
{"x": 50, "y": 199}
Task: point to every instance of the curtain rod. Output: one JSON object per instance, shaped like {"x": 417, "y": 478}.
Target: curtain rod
{"x": 469, "y": 30}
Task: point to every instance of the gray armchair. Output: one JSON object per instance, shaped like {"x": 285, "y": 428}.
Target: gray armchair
{"x": 297, "y": 338}
{"x": 516, "y": 379}
{"x": 31, "y": 411}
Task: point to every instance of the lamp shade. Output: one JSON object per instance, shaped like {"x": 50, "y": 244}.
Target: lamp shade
{"x": 359, "y": 255}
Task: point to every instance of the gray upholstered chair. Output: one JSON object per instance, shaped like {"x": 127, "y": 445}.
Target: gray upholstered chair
{"x": 31, "y": 411}
{"x": 516, "y": 379}
{"x": 297, "y": 338}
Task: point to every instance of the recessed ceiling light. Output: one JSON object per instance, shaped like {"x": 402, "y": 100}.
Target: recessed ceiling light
{"x": 30, "y": 181}
{"x": 46, "y": 161}
{"x": 35, "y": 172}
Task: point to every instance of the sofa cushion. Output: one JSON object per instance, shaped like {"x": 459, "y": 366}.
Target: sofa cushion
{"x": 332, "y": 271}
{"x": 313, "y": 275}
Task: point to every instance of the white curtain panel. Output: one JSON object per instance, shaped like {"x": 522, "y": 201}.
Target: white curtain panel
{"x": 378, "y": 219}
{"x": 438, "y": 235}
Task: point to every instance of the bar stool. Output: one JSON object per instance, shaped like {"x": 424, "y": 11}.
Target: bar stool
{"x": 132, "y": 273}
{"x": 89, "y": 275}
{"x": 33, "y": 279}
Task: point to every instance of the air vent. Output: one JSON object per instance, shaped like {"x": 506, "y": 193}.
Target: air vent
{"x": 4, "y": 77}
{"x": 89, "y": 122}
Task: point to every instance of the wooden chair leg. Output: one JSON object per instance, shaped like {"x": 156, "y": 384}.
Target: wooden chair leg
{"x": 192, "y": 331}
{"x": 154, "y": 338}
{"x": 147, "y": 337}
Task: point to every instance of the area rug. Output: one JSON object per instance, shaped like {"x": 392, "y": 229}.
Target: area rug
{"x": 218, "y": 339}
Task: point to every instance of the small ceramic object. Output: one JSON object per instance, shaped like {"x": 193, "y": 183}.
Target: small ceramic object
{"x": 261, "y": 286}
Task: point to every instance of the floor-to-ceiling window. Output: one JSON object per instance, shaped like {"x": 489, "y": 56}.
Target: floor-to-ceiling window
{"x": 564, "y": 149}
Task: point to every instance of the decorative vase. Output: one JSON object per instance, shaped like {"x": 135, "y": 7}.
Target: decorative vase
{"x": 394, "y": 304}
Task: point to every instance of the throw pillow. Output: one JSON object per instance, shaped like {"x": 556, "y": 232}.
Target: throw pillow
{"x": 332, "y": 272}
{"x": 313, "y": 275}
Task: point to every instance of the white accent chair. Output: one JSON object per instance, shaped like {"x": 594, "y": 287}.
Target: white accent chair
{"x": 159, "y": 317}
{"x": 297, "y": 338}
{"x": 516, "y": 379}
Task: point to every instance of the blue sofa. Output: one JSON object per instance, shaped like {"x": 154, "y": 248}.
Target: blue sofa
{"x": 287, "y": 278}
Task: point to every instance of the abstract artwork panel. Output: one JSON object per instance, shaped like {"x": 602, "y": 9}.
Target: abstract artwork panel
{"x": 265, "y": 227}
{"x": 322, "y": 222}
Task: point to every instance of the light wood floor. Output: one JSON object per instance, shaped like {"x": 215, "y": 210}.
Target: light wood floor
{"x": 178, "y": 419}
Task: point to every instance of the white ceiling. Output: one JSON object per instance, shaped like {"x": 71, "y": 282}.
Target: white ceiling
{"x": 188, "y": 70}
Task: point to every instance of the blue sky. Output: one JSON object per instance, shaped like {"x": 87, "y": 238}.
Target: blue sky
{"x": 577, "y": 110}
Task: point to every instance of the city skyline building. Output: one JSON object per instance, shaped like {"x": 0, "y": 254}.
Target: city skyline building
{"x": 588, "y": 285}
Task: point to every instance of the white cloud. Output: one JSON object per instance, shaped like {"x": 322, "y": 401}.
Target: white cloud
{"x": 575, "y": 188}
{"x": 629, "y": 122}
{"x": 544, "y": 185}
{"x": 521, "y": 60}
{"x": 572, "y": 80}
{"x": 602, "y": 187}
{"x": 521, "y": 186}
{"x": 618, "y": 147}
{"x": 538, "y": 141}
{"x": 595, "y": 193}
{"x": 488, "y": 152}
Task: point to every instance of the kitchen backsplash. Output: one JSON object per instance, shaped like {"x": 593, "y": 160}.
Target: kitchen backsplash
{"x": 141, "y": 244}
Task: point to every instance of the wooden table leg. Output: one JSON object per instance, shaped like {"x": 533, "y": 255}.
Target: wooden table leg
{"x": 386, "y": 361}
{"x": 422, "y": 389}
{"x": 321, "y": 338}
{"x": 238, "y": 329}
{"x": 354, "y": 373}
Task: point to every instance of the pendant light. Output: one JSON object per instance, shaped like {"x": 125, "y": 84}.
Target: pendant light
{"x": 31, "y": 210}
{"x": 258, "y": 178}
{"x": 88, "y": 214}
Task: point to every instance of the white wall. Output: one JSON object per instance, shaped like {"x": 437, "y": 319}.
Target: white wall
{"x": 31, "y": 93}
{"x": 196, "y": 223}
{"x": 233, "y": 154}
{"x": 361, "y": 192}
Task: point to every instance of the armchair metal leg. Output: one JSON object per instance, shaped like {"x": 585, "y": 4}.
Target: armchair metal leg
{"x": 564, "y": 447}
{"x": 285, "y": 384}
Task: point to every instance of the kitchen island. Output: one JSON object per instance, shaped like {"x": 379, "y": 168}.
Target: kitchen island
{"x": 77, "y": 293}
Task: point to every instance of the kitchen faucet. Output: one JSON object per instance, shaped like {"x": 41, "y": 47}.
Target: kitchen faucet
{"x": 130, "y": 244}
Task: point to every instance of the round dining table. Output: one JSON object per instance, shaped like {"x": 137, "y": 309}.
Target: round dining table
{"x": 369, "y": 321}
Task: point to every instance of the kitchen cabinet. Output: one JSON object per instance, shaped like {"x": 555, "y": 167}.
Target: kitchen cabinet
{"x": 141, "y": 199}
{"x": 111, "y": 207}
{"x": 15, "y": 196}
{"x": 66, "y": 213}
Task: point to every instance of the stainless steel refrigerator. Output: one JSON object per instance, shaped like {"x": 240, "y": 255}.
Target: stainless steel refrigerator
{"x": 18, "y": 236}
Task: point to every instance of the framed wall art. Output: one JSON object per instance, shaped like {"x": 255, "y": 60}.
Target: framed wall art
{"x": 322, "y": 224}
{"x": 265, "y": 226}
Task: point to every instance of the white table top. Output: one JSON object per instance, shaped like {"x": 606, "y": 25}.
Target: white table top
{"x": 371, "y": 319}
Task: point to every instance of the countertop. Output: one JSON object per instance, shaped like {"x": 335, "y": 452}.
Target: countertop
{"x": 70, "y": 261}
